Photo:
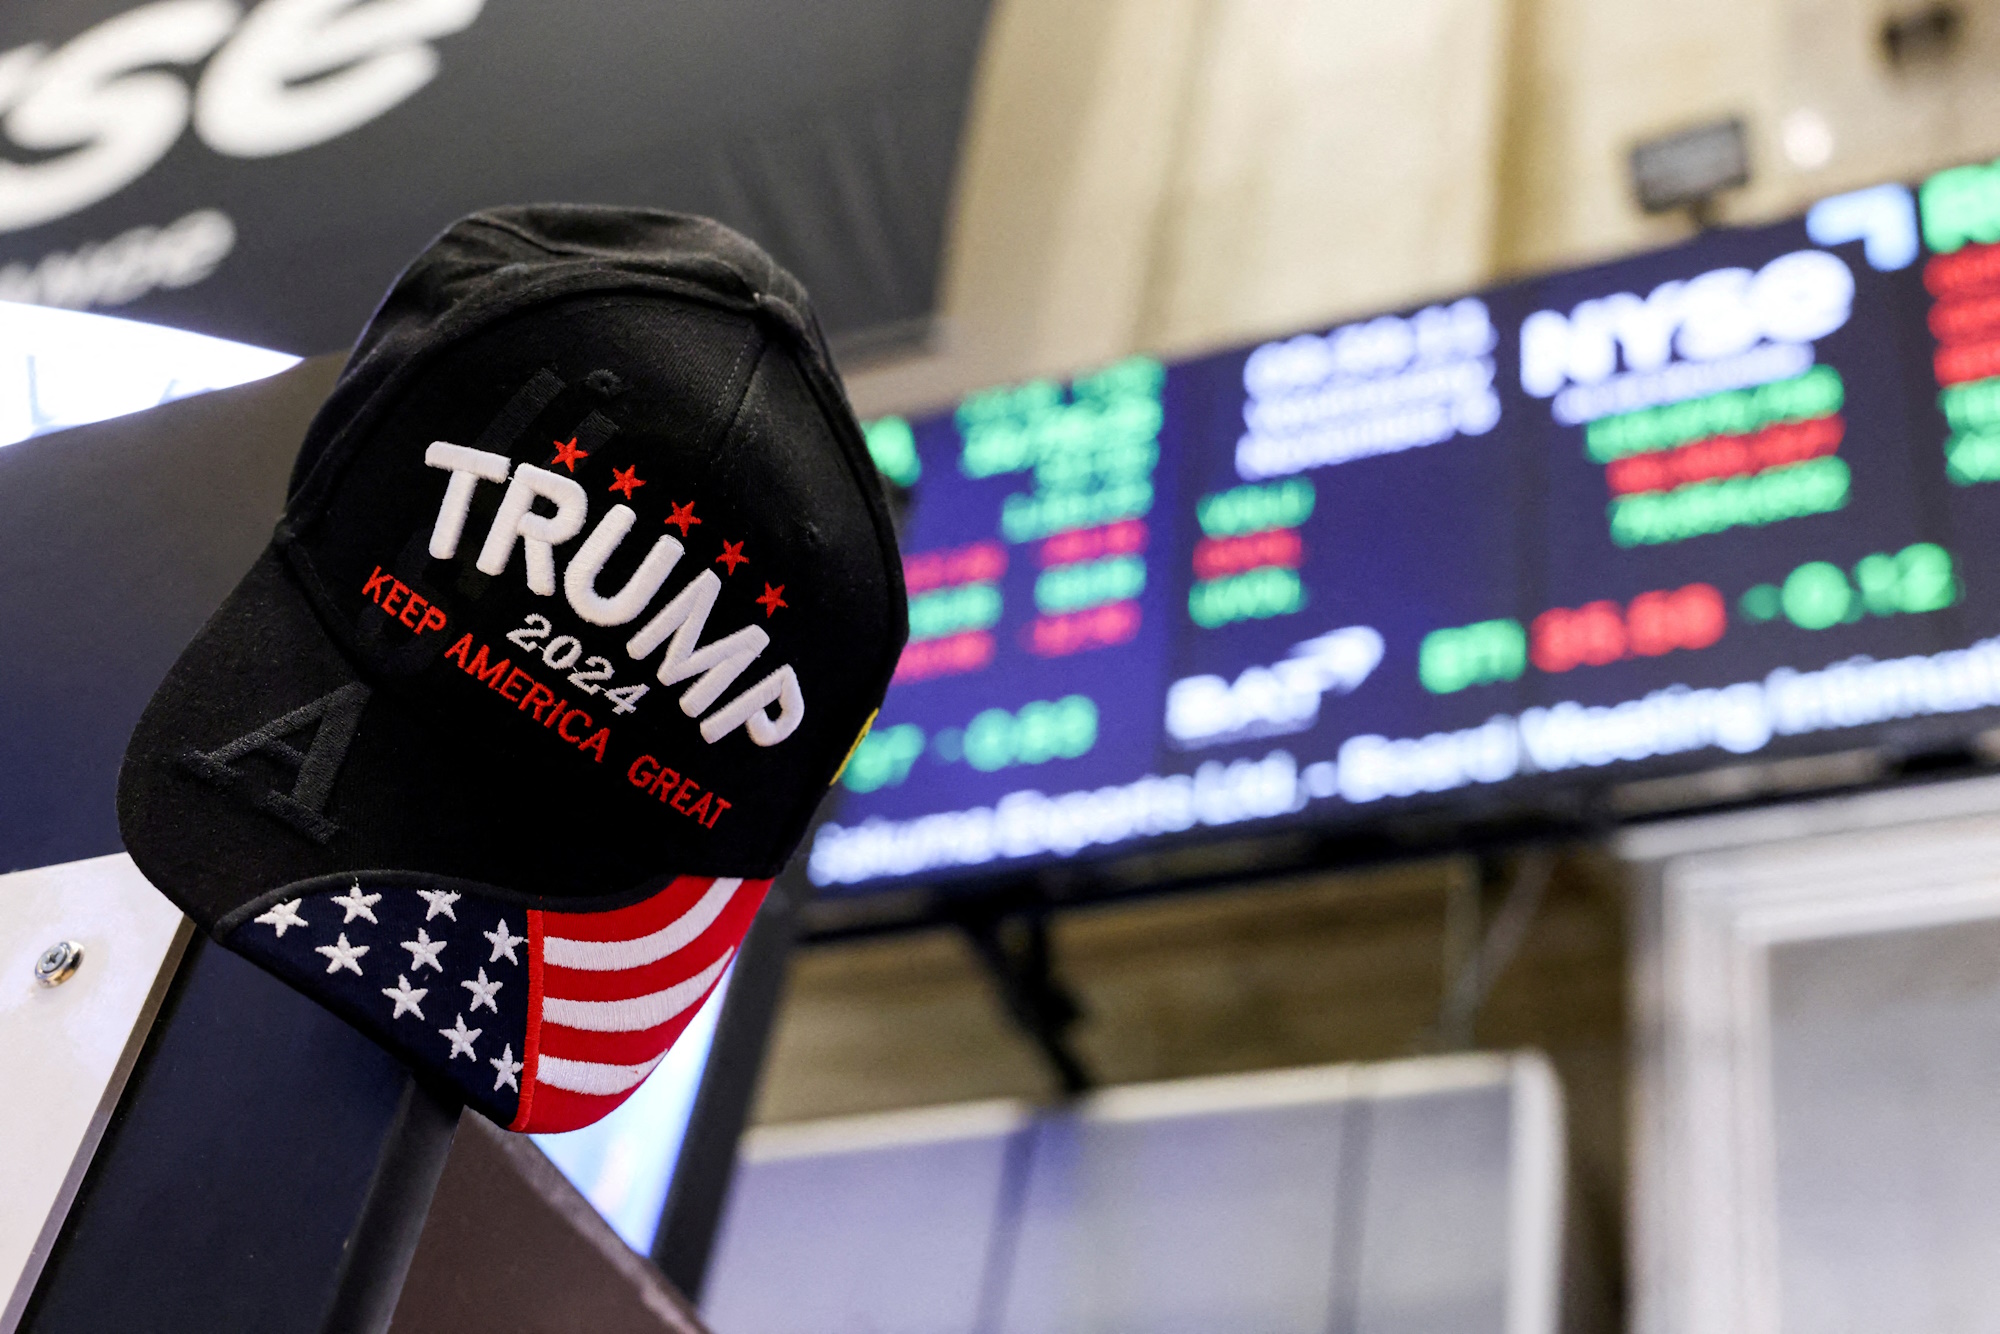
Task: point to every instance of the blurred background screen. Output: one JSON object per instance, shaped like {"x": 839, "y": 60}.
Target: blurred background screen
{"x": 1444, "y": 555}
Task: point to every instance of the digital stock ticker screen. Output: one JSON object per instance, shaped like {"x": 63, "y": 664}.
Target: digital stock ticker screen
{"x": 1729, "y": 499}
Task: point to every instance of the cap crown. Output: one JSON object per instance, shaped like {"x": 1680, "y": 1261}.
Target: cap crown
{"x": 590, "y": 519}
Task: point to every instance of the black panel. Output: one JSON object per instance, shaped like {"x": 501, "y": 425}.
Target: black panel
{"x": 120, "y": 539}
{"x": 257, "y": 1134}
{"x": 827, "y": 133}
{"x": 268, "y": 1166}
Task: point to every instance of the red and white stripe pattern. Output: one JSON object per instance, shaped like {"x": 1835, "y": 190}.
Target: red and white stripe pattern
{"x": 610, "y": 991}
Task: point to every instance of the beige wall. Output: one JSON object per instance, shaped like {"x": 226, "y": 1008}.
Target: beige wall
{"x": 1333, "y": 157}
{"x": 1885, "y": 123}
{"x": 1173, "y": 174}
{"x": 1169, "y": 175}
{"x": 1589, "y": 77}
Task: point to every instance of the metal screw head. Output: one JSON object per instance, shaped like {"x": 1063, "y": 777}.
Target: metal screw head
{"x": 58, "y": 963}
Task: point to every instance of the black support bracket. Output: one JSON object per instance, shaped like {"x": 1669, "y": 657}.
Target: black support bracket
{"x": 1014, "y": 948}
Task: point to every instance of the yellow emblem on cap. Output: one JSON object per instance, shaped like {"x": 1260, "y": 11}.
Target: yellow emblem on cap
{"x": 859, "y": 737}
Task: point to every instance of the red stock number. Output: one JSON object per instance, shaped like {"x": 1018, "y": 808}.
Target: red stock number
{"x": 1651, "y": 624}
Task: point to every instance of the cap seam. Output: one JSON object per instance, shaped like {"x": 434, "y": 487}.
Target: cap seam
{"x": 868, "y": 484}
{"x": 727, "y": 425}
{"x": 508, "y": 228}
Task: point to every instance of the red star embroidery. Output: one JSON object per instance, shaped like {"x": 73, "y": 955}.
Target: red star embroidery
{"x": 771, "y": 600}
{"x": 682, "y": 517}
{"x": 626, "y": 480}
{"x": 732, "y": 556}
{"x": 568, "y": 454}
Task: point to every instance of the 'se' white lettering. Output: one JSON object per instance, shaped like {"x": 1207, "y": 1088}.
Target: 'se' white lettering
{"x": 301, "y": 72}
{"x": 99, "y": 113}
{"x": 98, "y": 108}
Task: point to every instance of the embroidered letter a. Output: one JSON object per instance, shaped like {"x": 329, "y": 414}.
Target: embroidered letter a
{"x": 303, "y": 808}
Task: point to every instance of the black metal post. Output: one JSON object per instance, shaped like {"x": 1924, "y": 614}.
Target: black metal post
{"x": 267, "y": 1167}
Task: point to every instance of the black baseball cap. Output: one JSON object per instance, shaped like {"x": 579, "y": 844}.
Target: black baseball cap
{"x": 584, "y": 591}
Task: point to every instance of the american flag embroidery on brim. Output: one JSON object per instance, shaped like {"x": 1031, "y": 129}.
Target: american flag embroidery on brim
{"x": 543, "y": 1021}
{"x": 616, "y": 989}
